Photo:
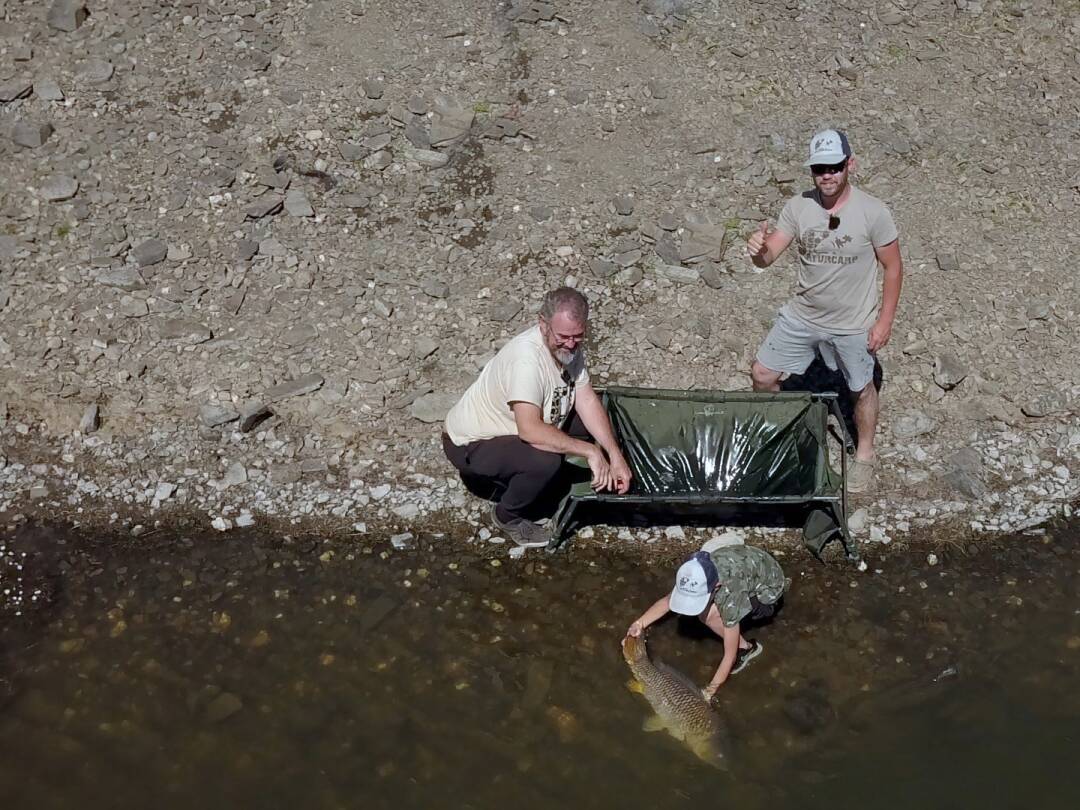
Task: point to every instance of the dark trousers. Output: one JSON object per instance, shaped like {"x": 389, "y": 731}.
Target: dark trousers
{"x": 521, "y": 472}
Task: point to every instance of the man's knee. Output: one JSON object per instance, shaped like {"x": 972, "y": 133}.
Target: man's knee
{"x": 762, "y": 376}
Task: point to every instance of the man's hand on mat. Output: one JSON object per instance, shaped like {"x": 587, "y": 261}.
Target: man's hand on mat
{"x": 620, "y": 472}
{"x": 601, "y": 471}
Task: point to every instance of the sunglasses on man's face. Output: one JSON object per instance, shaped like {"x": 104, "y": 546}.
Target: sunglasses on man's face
{"x": 820, "y": 169}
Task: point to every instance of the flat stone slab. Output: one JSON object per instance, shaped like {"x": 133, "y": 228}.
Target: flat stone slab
{"x": 96, "y": 71}
{"x": 294, "y": 388}
{"x": 31, "y": 134}
{"x": 299, "y": 335}
{"x": 214, "y": 415}
{"x": 14, "y": 89}
{"x": 450, "y": 121}
{"x": 252, "y": 413}
{"x": 431, "y": 408}
{"x": 678, "y": 274}
{"x": 426, "y": 157}
{"x": 124, "y": 278}
{"x": 150, "y": 252}
{"x": 264, "y": 206}
{"x": 59, "y": 187}
{"x": 184, "y": 331}
{"x": 296, "y": 203}
{"x": 46, "y": 90}
{"x": 67, "y": 15}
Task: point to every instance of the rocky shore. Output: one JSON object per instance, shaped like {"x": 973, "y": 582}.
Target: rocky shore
{"x": 250, "y": 252}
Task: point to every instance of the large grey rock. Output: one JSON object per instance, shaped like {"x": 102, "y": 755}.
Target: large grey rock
{"x": 426, "y": 157}
{"x": 30, "y": 134}
{"x": 125, "y": 277}
{"x": 59, "y": 187}
{"x": 67, "y": 15}
{"x": 91, "y": 419}
{"x": 430, "y": 408}
{"x": 294, "y": 388}
{"x": 48, "y": 90}
{"x": 264, "y": 206}
{"x": 1048, "y": 403}
{"x": 450, "y": 121}
{"x": 236, "y": 474}
{"x": 965, "y": 474}
{"x": 296, "y": 203}
{"x": 505, "y": 310}
{"x": 949, "y": 372}
{"x": 184, "y": 331}
{"x": 223, "y": 707}
{"x": 96, "y": 71}
{"x": 435, "y": 287}
{"x": 252, "y": 413}
{"x": 678, "y": 274}
{"x": 299, "y": 335}
{"x": 150, "y": 252}
{"x": 213, "y": 415}
{"x": 14, "y": 89}
{"x": 912, "y": 424}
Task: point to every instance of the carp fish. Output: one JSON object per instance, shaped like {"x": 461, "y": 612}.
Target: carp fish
{"x": 680, "y": 707}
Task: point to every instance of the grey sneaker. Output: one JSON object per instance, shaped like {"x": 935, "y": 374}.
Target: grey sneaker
{"x": 523, "y": 532}
{"x": 744, "y": 657}
{"x": 860, "y": 475}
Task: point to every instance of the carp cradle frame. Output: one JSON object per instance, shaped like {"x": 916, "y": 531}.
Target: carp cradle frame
{"x": 716, "y": 454}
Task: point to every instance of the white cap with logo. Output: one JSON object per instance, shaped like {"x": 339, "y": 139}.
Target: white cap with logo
{"x": 694, "y": 583}
{"x": 828, "y": 147}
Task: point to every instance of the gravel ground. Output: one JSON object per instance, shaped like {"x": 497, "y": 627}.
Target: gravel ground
{"x": 250, "y": 252}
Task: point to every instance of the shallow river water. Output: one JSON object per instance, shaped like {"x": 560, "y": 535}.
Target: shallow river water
{"x": 253, "y": 671}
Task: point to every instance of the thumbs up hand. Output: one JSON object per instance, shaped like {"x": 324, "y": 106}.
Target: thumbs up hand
{"x": 755, "y": 245}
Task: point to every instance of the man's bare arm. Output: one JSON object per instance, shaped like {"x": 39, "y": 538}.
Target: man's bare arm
{"x": 893, "y": 281}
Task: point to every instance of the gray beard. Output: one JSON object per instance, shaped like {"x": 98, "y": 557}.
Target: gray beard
{"x": 566, "y": 357}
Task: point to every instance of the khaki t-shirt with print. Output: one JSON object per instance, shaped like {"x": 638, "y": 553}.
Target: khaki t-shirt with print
{"x": 836, "y": 289}
{"x": 522, "y": 371}
{"x": 745, "y": 571}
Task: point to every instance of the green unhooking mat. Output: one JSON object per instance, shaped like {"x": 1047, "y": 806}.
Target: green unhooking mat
{"x": 697, "y": 455}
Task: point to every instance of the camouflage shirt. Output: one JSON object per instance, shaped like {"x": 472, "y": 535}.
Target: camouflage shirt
{"x": 745, "y": 570}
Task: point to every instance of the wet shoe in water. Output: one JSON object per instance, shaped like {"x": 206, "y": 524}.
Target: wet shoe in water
{"x": 523, "y": 532}
{"x": 746, "y": 656}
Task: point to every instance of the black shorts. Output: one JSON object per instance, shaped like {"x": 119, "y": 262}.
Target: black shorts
{"x": 761, "y": 611}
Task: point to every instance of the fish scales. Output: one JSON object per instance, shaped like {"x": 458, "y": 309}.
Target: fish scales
{"x": 680, "y": 707}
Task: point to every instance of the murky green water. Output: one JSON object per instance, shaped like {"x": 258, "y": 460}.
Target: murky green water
{"x": 254, "y": 672}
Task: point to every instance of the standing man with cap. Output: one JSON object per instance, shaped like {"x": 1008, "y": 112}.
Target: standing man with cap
{"x": 842, "y": 234}
{"x": 723, "y": 588}
{"x": 531, "y": 405}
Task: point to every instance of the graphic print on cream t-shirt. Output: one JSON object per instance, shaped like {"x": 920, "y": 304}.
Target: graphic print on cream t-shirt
{"x": 522, "y": 371}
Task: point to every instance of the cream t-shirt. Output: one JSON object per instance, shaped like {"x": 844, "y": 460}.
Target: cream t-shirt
{"x": 836, "y": 290}
{"x": 522, "y": 371}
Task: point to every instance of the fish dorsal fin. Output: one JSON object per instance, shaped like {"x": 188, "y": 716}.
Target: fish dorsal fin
{"x": 653, "y": 723}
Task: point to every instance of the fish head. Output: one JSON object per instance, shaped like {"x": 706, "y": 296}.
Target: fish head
{"x": 633, "y": 649}
{"x": 710, "y": 749}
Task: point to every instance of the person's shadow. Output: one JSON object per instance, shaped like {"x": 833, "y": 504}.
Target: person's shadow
{"x": 818, "y": 379}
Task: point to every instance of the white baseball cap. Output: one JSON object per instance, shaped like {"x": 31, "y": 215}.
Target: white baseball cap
{"x": 694, "y": 583}
{"x": 828, "y": 147}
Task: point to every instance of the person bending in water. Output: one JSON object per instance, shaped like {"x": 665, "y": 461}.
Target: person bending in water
{"x": 723, "y": 588}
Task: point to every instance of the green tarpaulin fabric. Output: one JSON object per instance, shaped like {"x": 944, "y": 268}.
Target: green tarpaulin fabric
{"x": 695, "y": 451}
